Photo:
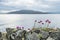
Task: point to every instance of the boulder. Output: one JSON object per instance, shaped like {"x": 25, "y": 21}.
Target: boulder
{"x": 33, "y": 36}
{"x": 55, "y": 35}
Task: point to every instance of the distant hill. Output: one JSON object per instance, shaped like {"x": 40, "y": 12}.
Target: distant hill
{"x": 54, "y": 12}
{"x": 27, "y": 12}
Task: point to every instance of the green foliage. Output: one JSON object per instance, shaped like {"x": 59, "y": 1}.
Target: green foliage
{"x": 40, "y": 35}
{"x": 46, "y": 29}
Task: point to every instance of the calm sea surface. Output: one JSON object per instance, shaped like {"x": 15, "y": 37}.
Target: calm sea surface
{"x": 27, "y": 20}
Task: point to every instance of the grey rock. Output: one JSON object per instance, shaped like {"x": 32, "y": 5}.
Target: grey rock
{"x": 44, "y": 34}
{"x": 33, "y": 36}
{"x": 55, "y": 35}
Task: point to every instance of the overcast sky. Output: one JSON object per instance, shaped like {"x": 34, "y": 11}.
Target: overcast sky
{"x": 39, "y": 5}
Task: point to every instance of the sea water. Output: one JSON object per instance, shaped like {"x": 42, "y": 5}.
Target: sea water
{"x": 27, "y": 20}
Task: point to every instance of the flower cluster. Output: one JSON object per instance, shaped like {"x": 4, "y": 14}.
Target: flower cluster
{"x": 20, "y": 27}
{"x": 48, "y": 21}
{"x": 41, "y": 22}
